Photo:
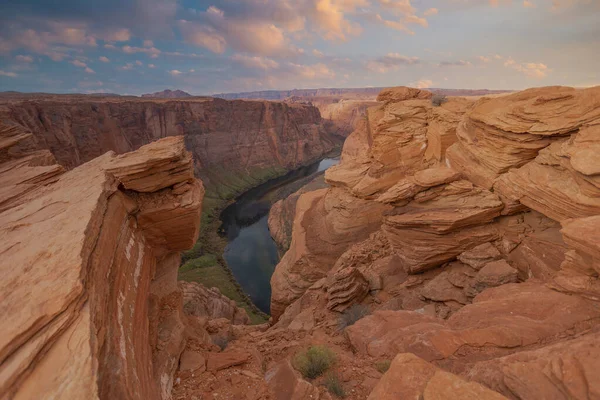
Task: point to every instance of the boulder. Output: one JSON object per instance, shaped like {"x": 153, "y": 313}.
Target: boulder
{"x": 411, "y": 377}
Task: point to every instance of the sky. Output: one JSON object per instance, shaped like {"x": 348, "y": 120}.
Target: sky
{"x": 206, "y": 47}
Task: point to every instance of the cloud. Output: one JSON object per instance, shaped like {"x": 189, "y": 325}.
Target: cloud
{"x": 203, "y": 36}
{"x": 148, "y": 43}
{"x": 317, "y": 53}
{"x": 151, "y": 66}
{"x": 431, "y": 11}
{"x": 255, "y": 62}
{"x": 138, "y": 62}
{"x": 89, "y": 70}
{"x": 9, "y": 74}
{"x": 110, "y": 46}
{"x": 533, "y": 70}
{"x": 153, "y": 52}
{"x": 103, "y": 59}
{"x": 78, "y": 63}
{"x": 126, "y": 67}
{"x": 528, "y": 4}
{"x": 312, "y": 72}
{"x": 421, "y": 84}
{"x": 459, "y": 63}
{"x": 391, "y": 61}
{"x": 120, "y": 35}
{"x": 175, "y": 72}
{"x": 24, "y": 59}
{"x": 484, "y": 59}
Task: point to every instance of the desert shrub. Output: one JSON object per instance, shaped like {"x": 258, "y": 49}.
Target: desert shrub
{"x": 314, "y": 362}
{"x": 382, "y": 366}
{"x": 353, "y": 314}
{"x": 334, "y": 386}
{"x": 221, "y": 341}
{"x": 438, "y": 99}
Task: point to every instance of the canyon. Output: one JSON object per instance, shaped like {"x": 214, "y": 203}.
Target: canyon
{"x": 453, "y": 253}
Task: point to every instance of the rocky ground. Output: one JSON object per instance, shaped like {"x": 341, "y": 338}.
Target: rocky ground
{"x": 454, "y": 255}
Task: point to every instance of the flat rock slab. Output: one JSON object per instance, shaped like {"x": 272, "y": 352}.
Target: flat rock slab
{"x": 192, "y": 361}
{"x": 219, "y": 361}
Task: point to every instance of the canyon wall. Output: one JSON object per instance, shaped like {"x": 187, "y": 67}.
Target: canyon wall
{"x": 235, "y": 144}
{"x": 89, "y": 264}
{"x": 469, "y": 231}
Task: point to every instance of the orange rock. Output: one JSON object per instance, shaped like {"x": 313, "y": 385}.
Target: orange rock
{"x": 411, "y": 377}
{"x": 347, "y": 287}
{"x": 285, "y": 383}
{"x": 224, "y": 360}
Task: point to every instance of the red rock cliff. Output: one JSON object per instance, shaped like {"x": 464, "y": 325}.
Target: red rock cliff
{"x": 231, "y": 141}
{"x": 90, "y": 301}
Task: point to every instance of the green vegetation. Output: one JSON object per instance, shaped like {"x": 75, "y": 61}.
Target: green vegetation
{"x": 204, "y": 263}
{"x": 353, "y": 314}
{"x": 438, "y": 99}
{"x": 314, "y": 362}
{"x": 382, "y": 366}
{"x": 334, "y": 386}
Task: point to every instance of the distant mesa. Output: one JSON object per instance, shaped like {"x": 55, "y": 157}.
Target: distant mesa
{"x": 168, "y": 94}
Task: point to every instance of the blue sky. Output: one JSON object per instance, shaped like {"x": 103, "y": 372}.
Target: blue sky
{"x": 204, "y": 47}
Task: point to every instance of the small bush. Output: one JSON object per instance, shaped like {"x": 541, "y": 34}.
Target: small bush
{"x": 221, "y": 341}
{"x": 334, "y": 386}
{"x": 314, "y": 362}
{"x": 438, "y": 99}
{"x": 353, "y": 314}
{"x": 383, "y": 366}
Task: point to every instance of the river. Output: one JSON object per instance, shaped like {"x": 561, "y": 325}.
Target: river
{"x": 251, "y": 253}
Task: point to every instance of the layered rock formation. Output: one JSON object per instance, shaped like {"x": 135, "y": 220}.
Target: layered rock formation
{"x": 168, "y": 94}
{"x": 479, "y": 248}
{"x": 235, "y": 144}
{"x": 89, "y": 261}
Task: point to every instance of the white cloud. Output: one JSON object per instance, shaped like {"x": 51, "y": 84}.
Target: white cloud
{"x": 26, "y": 59}
{"x": 126, "y": 67}
{"x": 148, "y": 43}
{"x": 532, "y": 70}
{"x": 9, "y": 74}
{"x": 138, "y": 62}
{"x": 151, "y": 66}
{"x": 390, "y": 62}
{"x": 120, "y": 35}
{"x": 255, "y": 62}
{"x": 153, "y": 52}
{"x": 528, "y": 4}
{"x": 484, "y": 59}
{"x": 422, "y": 84}
{"x": 175, "y": 72}
{"x": 78, "y": 63}
{"x": 89, "y": 70}
{"x": 431, "y": 11}
{"x": 103, "y": 59}
{"x": 317, "y": 53}
{"x": 459, "y": 63}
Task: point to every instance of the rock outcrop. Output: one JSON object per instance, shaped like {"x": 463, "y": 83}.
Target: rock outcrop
{"x": 168, "y": 94}
{"x": 200, "y": 301}
{"x": 482, "y": 258}
{"x": 235, "y": 144}
{"x": 89, "y": 260}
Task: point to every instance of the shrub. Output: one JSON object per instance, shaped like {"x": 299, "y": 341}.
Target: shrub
{"x": 438, "y": 99}
{"x": 353, "y": 314}
{"x": 313, "y": 362}
{"x": 334, "y": 386}
{"x": 383, "y": 366}
{"x": 221, "y": 341}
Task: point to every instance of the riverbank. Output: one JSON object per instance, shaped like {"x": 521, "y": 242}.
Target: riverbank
{"x": 205, "y": 263}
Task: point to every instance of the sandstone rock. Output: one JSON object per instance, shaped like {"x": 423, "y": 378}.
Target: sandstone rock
{"x": 439, "y": 225}
{"x": 154, "y": 166}
{"x": 411, "y": 377}
{"x": 508, "y": 131}
{"x": 202, "y": 302}
{"x": 285, "y": 383}
{"x": 401, "y": 93}
{"x": 97, "y": 322}
{"x": 562, "y": 371}
{"x": 218, "y": 361}
{"x": 192, "y": 361}
{"x": 480, "y": 255}
{"x": 325, "y": 225}
{"x": 442, "y": 289}
{"x": 347, "y": 287}
{"x": 580, "y": 269}
{"x": 253, "y": 139}
{"x": 494, "y": 274}
{"x": 501, "y": 321}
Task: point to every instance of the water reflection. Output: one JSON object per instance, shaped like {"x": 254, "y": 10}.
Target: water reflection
{"x": 251, "y": 253}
